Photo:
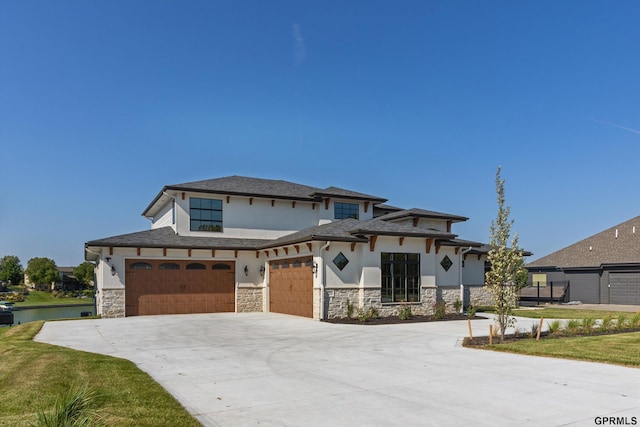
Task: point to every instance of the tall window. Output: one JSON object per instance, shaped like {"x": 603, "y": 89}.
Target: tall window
{"x": 400, "y": 277}
{"x": 346, "y": 210}
{"x": 205, "y": 214}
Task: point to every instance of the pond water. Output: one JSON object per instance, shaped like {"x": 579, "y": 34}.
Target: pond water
{"x": 48, "y": 313}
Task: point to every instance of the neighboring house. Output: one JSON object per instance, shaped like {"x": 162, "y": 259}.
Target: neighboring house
{"x": 601, "y": 269}
{"x": 240, "y": 244}
{"x": 66, "y": 281}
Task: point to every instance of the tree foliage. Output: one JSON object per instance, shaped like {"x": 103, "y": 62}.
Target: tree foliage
{"x": 11, "y": 269}
{"x": 507, "y": 274}
{"x": 84, "y": 273}
{"x": 42, "y": 271}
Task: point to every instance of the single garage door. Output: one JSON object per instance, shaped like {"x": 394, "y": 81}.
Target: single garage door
{"x": 624, "y": 288}
{"x": 291, "y": 286}
{"x": 179, "y": 287}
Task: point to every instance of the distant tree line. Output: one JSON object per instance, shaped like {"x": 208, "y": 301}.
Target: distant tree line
{"x": 42, "y": 272}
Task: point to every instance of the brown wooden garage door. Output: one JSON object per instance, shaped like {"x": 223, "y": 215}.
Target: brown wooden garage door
{"x": 291, "y": 286}
{"x": 179, "y": 287}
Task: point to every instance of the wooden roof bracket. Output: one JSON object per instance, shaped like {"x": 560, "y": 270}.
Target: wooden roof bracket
{"x": 415, "y": 221}
{"x": 372, "y": 243}
{"x": 401, "y": 241}
{"x": 366, "y": 207}
{"x": 428, "y": 244}
{"x": 326, "y": 203}
{"x": 353, "y": 246}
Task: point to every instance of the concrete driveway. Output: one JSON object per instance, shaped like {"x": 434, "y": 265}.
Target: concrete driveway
{"x": 266, "y": 369}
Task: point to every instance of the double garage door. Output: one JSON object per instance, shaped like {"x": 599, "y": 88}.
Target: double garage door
{"x": 624, "y": 288}
{"x": 179, "y": 287}
{"x": 291, "y": 286}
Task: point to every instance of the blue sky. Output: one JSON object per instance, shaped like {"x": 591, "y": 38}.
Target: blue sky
{"x": 104, "y": 102}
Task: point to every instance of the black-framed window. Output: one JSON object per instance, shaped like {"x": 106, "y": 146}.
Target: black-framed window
{"x": 205, "y": 214}
{"x": 400, "y": 277}
{"x": 346, "y": 210}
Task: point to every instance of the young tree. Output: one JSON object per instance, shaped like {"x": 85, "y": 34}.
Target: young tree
{"x": 42, "y": 272}
{"x": 11, "y": 270}
{"x": 84, "y": 273}
{"x": 507, "y": 274}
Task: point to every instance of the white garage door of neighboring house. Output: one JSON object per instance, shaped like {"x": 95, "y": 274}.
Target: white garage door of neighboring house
{"x": 624, "y": 288}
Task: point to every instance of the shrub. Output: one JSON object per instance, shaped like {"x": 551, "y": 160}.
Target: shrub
{"x": 439, "y": 310}
{"x": 366, "y": 315}
{"x": 587, "y": 325}
{"x": 75, "y": 408}
{"x": 621, "y": 322}
{"x": 554, "y": 326}
{"x": 572, "y": 327}
{"x": 457, "y": 305}
{"x": 349, "y": 309}
{"x": 534, "y": 330}
{"x": 607, "y": 323}
{"x": 635, "y": 321}
{"x": 404, "y": 311}
{"x": 471, "y": 311}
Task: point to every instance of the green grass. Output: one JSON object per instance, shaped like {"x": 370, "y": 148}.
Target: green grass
{"x": 565, "y": 313}
{"x": 33, "y": 375}
{"x": 46, "y": 298}
{"x": 619, "y": 349}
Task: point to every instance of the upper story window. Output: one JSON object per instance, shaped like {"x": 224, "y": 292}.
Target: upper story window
{"x": 346, "y": 210}
{"x": 205, "y": 214}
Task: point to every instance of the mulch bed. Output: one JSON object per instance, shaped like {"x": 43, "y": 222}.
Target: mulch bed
{"x": 392, "y": 320}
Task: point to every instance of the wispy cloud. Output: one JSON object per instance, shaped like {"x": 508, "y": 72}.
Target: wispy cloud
{"x": 617, "y": 126}
{"x": 299, "y": 49}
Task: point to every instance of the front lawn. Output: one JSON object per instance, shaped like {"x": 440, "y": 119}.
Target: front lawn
{"x": 564, "y": 313}
{"x": 33, "y": 375}
{"x": 47, "y": 298}
{"x": 619, "y": 349}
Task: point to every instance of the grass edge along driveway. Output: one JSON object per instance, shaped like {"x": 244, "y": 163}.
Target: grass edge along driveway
{"x": 33, "y": 375}
{"x": 618, "y": 349}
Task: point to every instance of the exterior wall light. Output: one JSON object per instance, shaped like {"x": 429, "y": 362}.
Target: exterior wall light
{"x": 113, "y": 270}
{"x": 262, "y": 271}
{"x": 314, "y": 269}
{"x": 246, "y": 270}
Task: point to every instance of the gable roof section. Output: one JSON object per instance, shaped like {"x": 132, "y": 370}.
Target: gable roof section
{"x": 259, "y": 187}
{"x": 421, "y": 213}
{"x": 617, "y": 245}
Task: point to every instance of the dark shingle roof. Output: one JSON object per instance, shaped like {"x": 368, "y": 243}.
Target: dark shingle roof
{"x": 420, "y": 213}
{"x": 259, "y": 187}
{"x": 166, "y": 238}
{"x": 346, "y": 194}
{"x": 602, "y": 248}
{"x": 377, "y": 226}
{"x": 338, "y": 231}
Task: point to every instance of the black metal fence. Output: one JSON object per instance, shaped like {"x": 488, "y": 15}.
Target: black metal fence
{"x": 538, "y": 293}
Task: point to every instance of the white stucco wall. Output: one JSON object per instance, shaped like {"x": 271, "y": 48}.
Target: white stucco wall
{"x": 256, "y": 218}
{"x": 473, "y": 271}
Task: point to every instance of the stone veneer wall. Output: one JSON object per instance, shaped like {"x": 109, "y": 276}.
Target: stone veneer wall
{"x": 111, "y": 301}
{"x": 249, "y": 300}
{"x": 336, "y": 301}
{"x": 477, "y": 296}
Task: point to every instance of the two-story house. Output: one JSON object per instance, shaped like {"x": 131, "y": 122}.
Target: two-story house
{"x": 239, "y": 244}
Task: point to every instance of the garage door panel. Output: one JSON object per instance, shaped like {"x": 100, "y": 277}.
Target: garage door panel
{"x": 291, "y": 287}
{"x": 624, "y": 288}
{"x": 183, "y": 291}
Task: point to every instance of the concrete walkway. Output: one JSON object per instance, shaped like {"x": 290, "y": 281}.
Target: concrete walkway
{"x": 274, "y": 370}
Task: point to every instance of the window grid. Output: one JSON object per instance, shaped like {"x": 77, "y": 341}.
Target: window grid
{"x": 346, "y": 210}
{"x": 400, "y": 277}
{"x": 205, "y": 214}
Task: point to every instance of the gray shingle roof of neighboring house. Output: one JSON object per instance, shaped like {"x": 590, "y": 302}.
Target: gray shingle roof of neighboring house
{"x": 259, "y": 187}
{"x": 619, "y": 244}
{"x": 165, "y": 237}
{"x": 421, "y": 213}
